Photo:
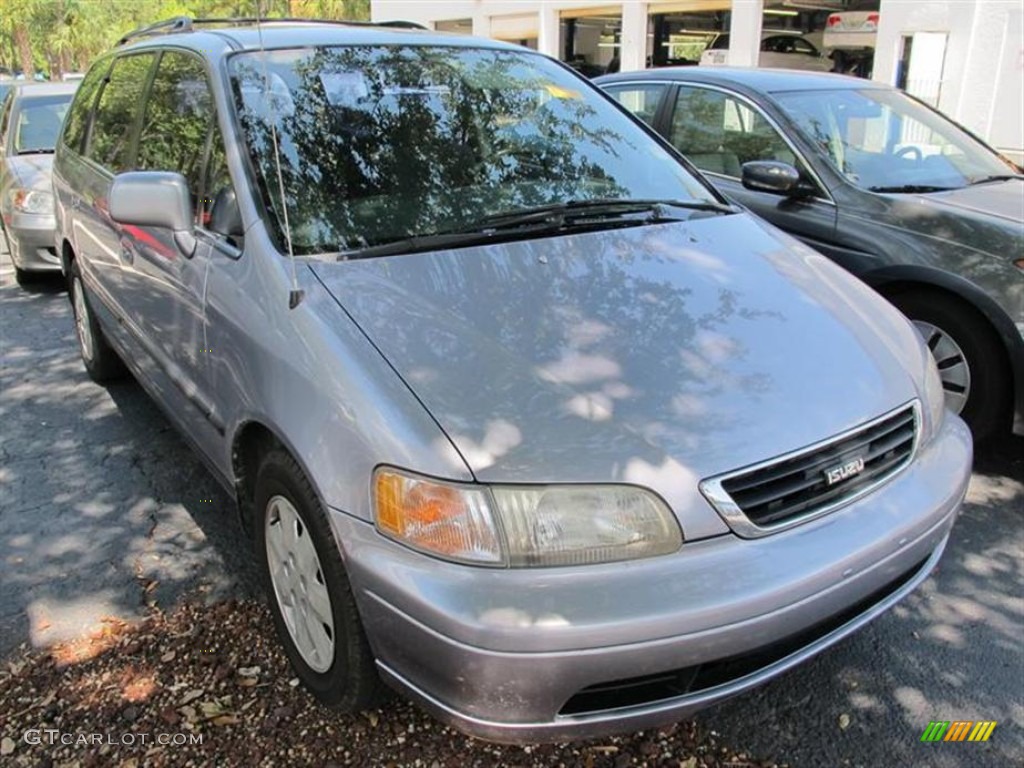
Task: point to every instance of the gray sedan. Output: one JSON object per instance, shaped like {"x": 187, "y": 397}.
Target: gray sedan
{"x": 523, "y": 418}
{"x": 30, "y": 120}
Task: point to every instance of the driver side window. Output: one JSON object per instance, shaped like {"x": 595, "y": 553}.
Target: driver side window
{"x": 180, "y": 132}
{"x": 718, "y": 133}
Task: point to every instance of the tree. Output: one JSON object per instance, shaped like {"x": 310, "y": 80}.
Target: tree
{"x": 57, "y": 36}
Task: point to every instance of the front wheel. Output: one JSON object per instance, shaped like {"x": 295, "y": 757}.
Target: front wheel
{"x": 308, "y": 589}
{"x": 970, "y": 359}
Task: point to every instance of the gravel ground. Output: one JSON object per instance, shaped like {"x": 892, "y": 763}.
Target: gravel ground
{"x": 213, "y": 677}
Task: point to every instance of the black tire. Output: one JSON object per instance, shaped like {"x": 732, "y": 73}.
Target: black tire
{"x": 103, "y": 364}
{"x": 24, "y": 277}
{"x": 351, "y": 682}
{"x": 987, "y": 408}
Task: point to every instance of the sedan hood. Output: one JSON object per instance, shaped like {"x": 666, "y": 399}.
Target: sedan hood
{"x": 32, "y": 171}
{"x": 997, "y": 199}
{"x": 656, "y": 355}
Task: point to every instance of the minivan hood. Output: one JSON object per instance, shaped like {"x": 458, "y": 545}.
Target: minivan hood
{"x": 32, "y": 171}
{"x": 656, "y": 355}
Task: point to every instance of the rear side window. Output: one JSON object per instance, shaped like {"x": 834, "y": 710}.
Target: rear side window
{"x": 109, "y": 141}
{"x": 641, "y": 100}
{"x": 78, "y": 116}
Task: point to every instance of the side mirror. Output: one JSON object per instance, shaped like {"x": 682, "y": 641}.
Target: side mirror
{"x": 771, "y": 176}
{"x": 155, "y": 199}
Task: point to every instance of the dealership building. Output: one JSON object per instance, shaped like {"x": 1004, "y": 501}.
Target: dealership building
{"x": 965, "y": 57}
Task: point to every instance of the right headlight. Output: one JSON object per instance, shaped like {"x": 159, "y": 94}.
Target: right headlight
{"x": 526, "y": 525}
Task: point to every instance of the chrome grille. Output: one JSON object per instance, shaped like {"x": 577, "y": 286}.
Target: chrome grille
{"x": 810, "y": 482}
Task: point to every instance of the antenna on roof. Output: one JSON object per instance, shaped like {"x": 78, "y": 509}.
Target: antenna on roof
{"x": 295, "y": 295}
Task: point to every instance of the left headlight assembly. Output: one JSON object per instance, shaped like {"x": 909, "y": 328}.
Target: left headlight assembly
{"x": 36, "y": 201}
{"x": 523, "y": 526}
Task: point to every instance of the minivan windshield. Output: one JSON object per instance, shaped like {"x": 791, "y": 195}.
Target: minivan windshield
{"x": 885, "y": 141}
{"x": 377, "y": 144}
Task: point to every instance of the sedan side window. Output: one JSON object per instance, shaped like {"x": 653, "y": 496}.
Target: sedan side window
{"x": 113, "y": 126}
{"x": 719, "y": 133}
{"x": 641, "y": 100}
{"x": 5, "y": 118}
{"x": 179, "y": 131}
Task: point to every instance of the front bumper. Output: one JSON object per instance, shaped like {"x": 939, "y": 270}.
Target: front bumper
{"x": 30, "y": 238}
{"x": 560, "y": 653}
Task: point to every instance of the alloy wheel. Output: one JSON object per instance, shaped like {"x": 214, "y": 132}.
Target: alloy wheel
{"x": 954, "y": 371}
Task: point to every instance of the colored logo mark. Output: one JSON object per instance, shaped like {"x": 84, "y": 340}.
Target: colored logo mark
{"x": 958, "y": 730}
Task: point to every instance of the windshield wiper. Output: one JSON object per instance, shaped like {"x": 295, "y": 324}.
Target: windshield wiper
{"x": 912, "y": 189}
{"x": 575, "y": 215}
{"x": 36, "y": 151}
{"x": 572, "y": 210}
{"x": 997, "y": 177}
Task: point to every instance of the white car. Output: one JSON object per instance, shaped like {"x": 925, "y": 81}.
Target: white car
{"x": 778, "y": 50}
{"x": 851, "y": 29}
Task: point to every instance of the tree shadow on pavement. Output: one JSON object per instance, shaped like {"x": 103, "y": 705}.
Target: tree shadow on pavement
{"x": 104, "y": 510}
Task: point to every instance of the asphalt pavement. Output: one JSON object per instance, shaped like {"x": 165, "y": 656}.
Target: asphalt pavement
{"x": 105, "y": 510}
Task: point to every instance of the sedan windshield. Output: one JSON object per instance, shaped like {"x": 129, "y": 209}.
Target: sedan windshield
{"x": 884, "y": 141}
{"x": 39, "y": 122}
{"x": 380, "y": 144}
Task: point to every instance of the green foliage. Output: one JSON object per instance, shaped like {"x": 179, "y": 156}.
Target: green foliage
{"x": 56, "y": 36}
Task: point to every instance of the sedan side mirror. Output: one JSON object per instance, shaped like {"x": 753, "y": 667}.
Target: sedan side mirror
{"x": 155, "y": 199}
{"x": 772, "y": 176}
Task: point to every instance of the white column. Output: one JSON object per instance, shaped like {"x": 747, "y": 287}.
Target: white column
{"x": 481, "y": 24}
{"x": 633, "y": 53}
{"x": 745, "y": 32}
{"x": 549, "y": 23}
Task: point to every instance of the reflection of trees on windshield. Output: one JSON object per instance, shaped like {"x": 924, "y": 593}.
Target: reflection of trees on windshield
{"x": 379, "y": 143}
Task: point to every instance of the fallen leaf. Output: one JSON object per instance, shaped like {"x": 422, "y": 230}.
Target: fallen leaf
{"x": 690, "y": 762}
{"x": 169, "y": 656}
{"x": 227, "y": 720}
{"x": 293, "y": 682}
{"x": 373, "y": 717}
{"x": 7, "y": 745}
{"x": 248, "y": 682}
{"x": 248, "y": 671}
{"x": 192, "y": 695}
{"x": 189, "y": 713}
{"x": 844, "y": 721}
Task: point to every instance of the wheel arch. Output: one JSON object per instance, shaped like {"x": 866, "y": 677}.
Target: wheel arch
{"x": 250, "y": 440}
{"x": 892, "y": 280}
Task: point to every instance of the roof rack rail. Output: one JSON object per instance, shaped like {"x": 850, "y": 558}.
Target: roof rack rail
{"x": 181, "y": 24}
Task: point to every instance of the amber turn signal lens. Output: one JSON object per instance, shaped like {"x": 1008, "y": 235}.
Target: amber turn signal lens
{"x": 447, "y": 519}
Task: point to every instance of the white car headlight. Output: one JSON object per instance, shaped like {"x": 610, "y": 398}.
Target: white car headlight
{"x": 31, "y": 201}
{"x": 934, "y": 395}
{"x": 523, "y": 526}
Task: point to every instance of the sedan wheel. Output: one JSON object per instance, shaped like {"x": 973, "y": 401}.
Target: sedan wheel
{"x": 954, "y": 369}
{"x": 299, "y": 584}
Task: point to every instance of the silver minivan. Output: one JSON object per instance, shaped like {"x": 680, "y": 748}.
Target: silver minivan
{"x": 522, "y": 417}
